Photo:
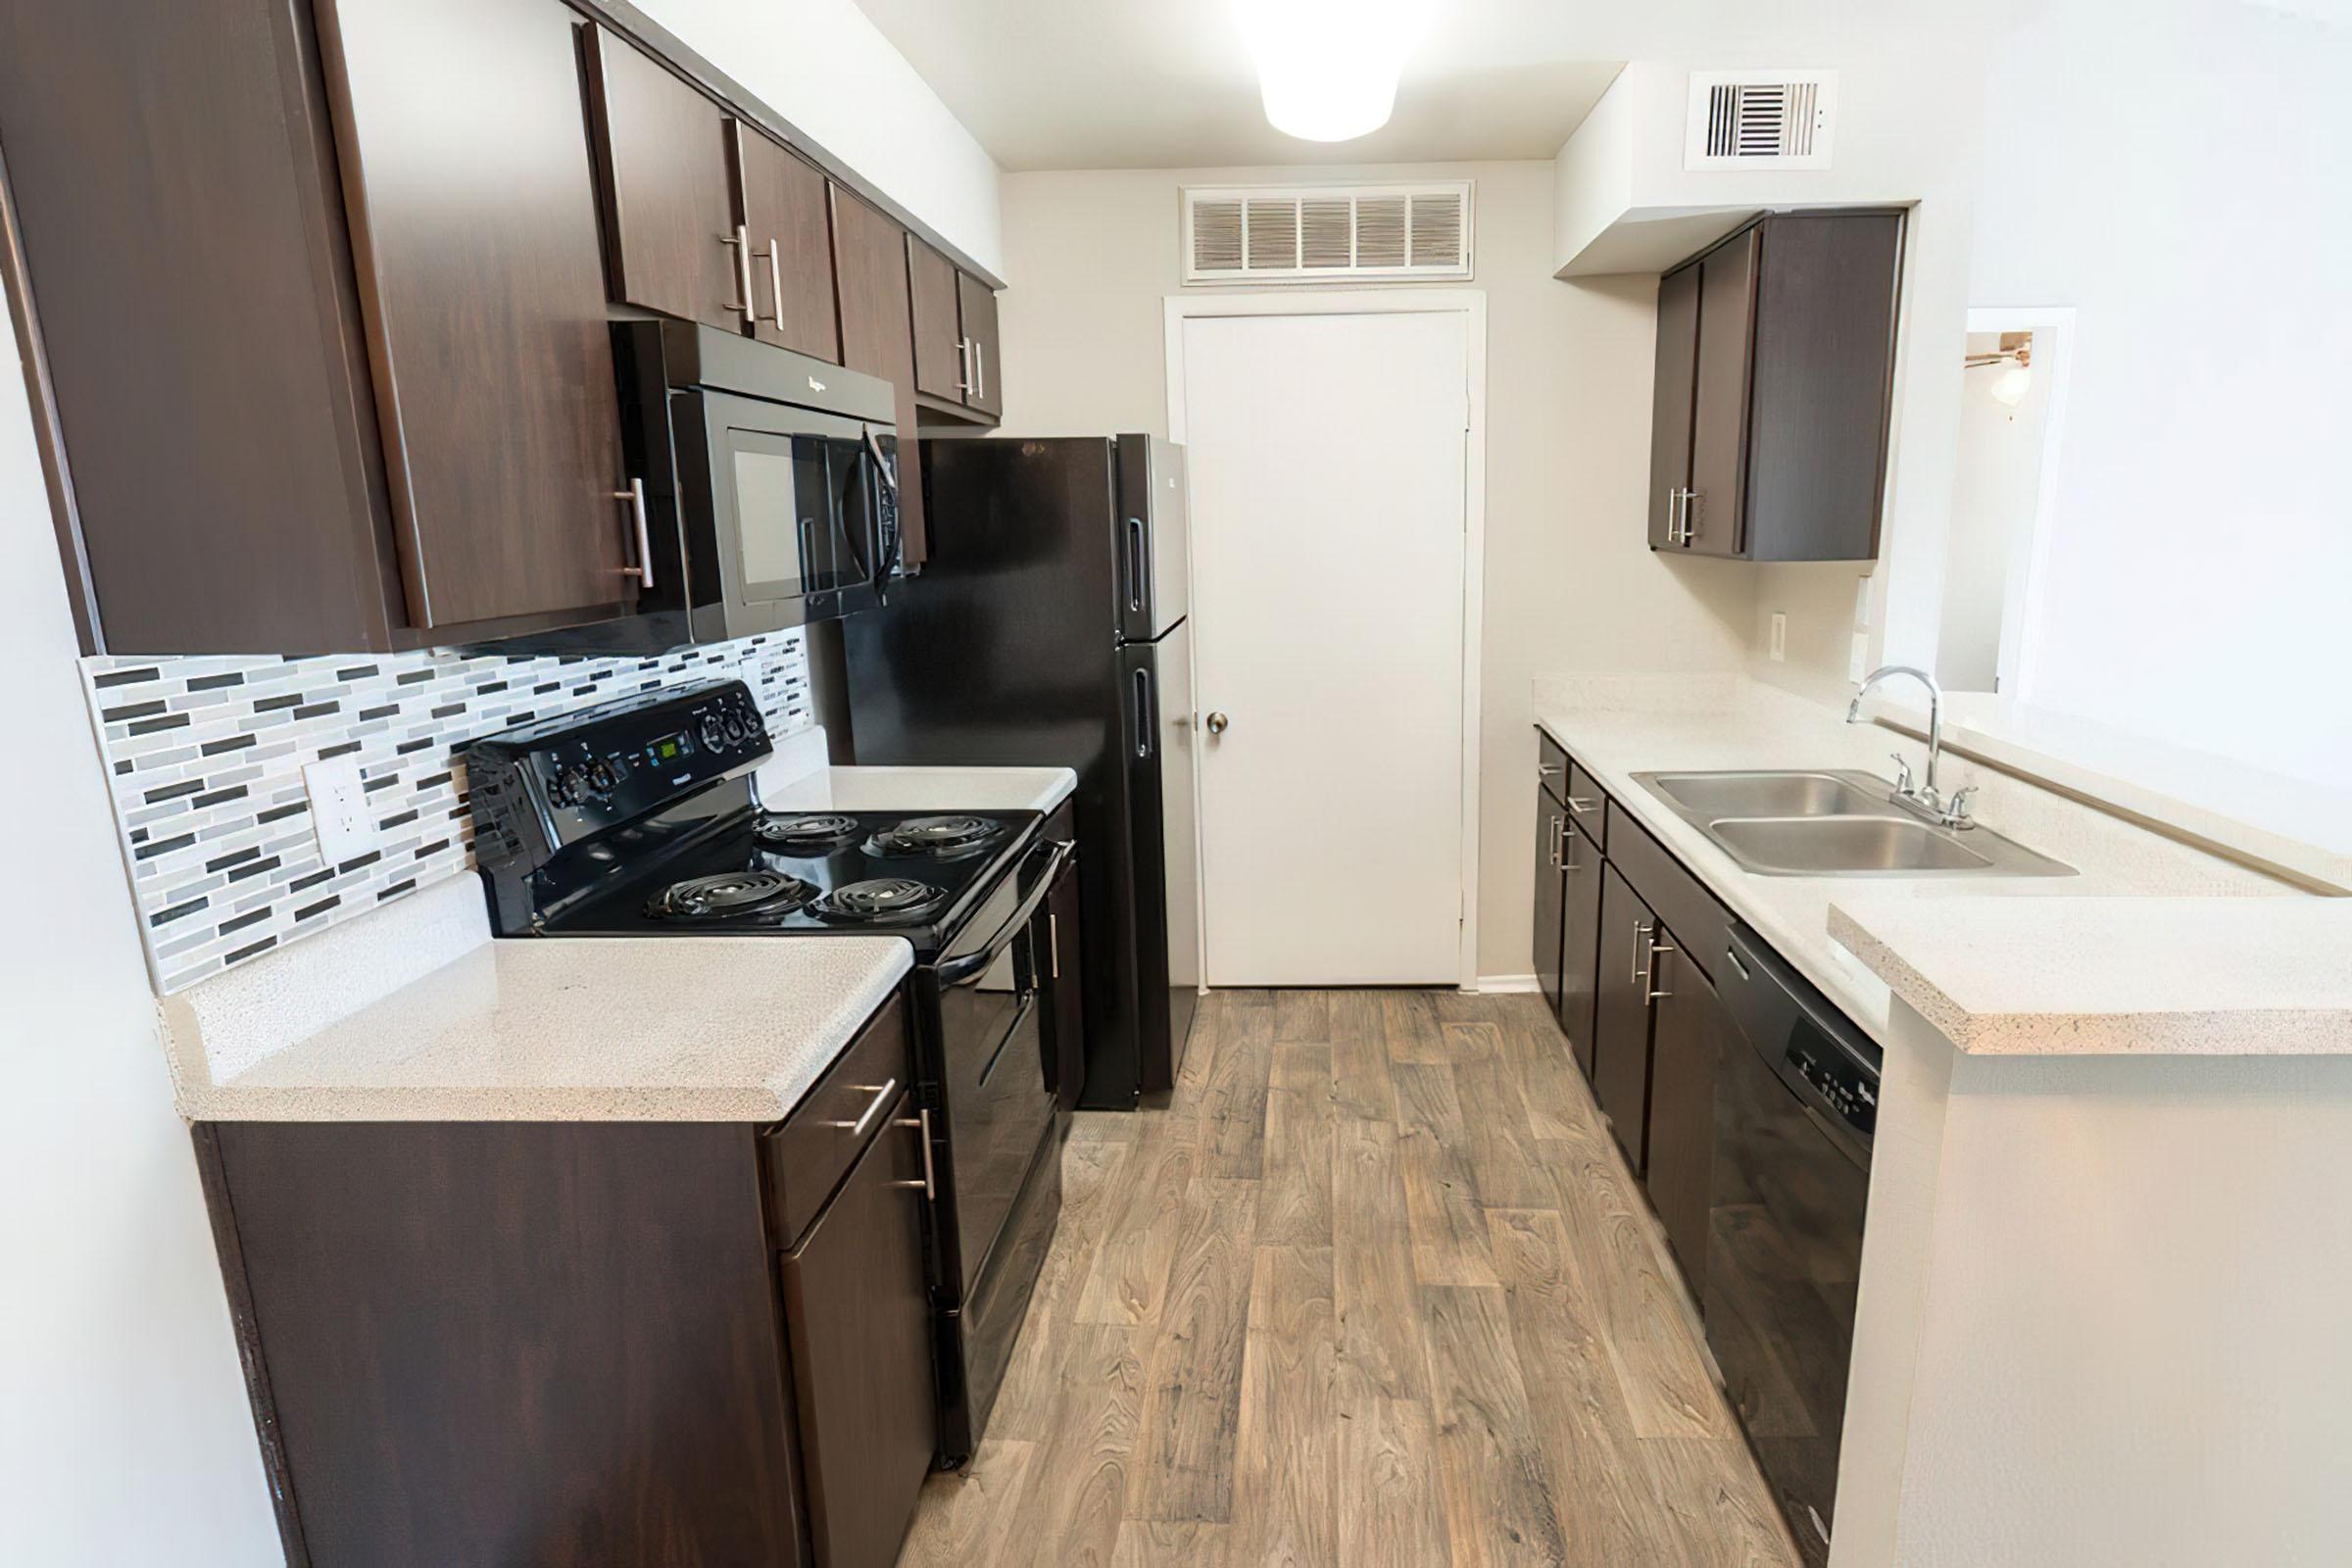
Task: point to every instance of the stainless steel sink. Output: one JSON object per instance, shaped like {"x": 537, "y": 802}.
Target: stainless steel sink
{"x": 1842, "y": 846}
{"x": 1713, "y": 795}
{"x": 1834, "y": 822}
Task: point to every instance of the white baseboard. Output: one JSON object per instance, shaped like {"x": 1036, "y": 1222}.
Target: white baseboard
{"x": 1505, "y": 984}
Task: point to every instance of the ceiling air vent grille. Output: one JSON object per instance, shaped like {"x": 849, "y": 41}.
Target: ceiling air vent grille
{"x": 1760, "y": 118}
{"x": 1327, "y": 234}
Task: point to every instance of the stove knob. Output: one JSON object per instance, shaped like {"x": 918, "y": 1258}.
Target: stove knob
{"x": 570, "y": 786}
{"x": 602, "y": 778}
{"x": 713, "y": 730}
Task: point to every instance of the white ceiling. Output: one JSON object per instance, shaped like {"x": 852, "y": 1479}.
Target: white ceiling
{"x": 1168, "y": 83}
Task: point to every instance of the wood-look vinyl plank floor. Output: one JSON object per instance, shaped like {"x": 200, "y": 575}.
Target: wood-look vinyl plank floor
{"x": 1373, "y": 1287}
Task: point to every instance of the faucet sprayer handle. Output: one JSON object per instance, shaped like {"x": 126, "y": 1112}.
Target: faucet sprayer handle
{"x": 1902, "y": 773}
{"x": 1962, "y": 799}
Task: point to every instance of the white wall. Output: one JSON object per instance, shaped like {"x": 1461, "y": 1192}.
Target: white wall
{"x": 124, "y": 1434}
{"x": 821, "y": 65}
{"x": 1569, "y": 582}
{"x": 2200, "y": 551}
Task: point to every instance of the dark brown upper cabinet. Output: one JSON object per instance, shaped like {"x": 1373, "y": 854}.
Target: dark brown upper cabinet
{"x": 870, "y": 264}
{"x": 983, "y": 389}
{"x": 1775, "y": 374}
{"x": 1670, "y": 396}
{"x": 662, "y": 158}
{"x": 481, "y": 280}
{"x": 782, "y": 204}
{"x": 938, "y": 317}
{"x": 954, "y": 336}
{"x": 181, "y": 241}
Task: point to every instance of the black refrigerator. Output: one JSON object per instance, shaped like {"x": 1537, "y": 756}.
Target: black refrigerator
{"x": 1047, "y": 628}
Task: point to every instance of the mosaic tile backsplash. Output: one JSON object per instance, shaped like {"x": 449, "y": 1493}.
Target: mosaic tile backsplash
{"x": 205, "y": 759}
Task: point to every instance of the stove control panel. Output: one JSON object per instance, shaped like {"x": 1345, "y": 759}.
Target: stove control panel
{"x": 553, "y": 782}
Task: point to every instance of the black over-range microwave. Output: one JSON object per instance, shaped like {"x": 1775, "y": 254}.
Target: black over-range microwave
{"x": 769, "y": 479}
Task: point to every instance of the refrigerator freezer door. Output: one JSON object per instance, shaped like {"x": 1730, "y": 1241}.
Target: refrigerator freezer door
{"x": 1153, "y": 538}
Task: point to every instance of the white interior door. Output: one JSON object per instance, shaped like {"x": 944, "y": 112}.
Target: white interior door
{"x": 1327, "y": 455}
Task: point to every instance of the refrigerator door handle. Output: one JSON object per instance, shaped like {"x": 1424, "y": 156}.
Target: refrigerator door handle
{"x": 1135, "y": 563}
{"x": 1144, "y": 727}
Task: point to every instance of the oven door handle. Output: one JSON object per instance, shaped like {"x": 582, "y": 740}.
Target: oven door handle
{"x": 956, "y": 971}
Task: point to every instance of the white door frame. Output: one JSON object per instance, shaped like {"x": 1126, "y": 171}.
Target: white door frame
{"x": 2053, "y": 329}
{"x": 1470, "y": 303}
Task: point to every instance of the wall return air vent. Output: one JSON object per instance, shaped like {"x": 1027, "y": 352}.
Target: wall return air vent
{"x": 1760, "y": 118}
{"x": 1326, "y": 233}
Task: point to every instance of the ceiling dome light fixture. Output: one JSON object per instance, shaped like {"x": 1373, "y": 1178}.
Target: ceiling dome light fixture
{"x": 1328, "y": 68}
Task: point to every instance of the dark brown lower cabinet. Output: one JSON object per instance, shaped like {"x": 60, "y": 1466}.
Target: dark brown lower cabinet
{"x": 859, "y": 1321}
{"x": 1689, "y": 1030}
{"x": 1580, "y": 866}
{"x": 1621, "y": 1015}
{"x": 1551, "y": 828}
{"x": 577, "y": 1342}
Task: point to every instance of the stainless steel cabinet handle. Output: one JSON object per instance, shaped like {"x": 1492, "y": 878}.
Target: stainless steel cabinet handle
{"x": 865, "y": 1119}
{"x": 1559, "y": 825}
{"x": 1053, "y": 943}
{"x": 1689, "y": 517}
{"x": 979, "y": 369}
{"x": 1549, "y": 769}
{"x": 964, "y": 366}
{"x": 1579, "y": 805}
{"x": 1216, "y": 723}
{"x": 643, "y": 572}
{"x": 1640, "y": 945}
{"x": 746, "y": 306}
{"x": 929, "y": 1185}
{"x": 775, "y": 282}
{"x": 1654, "y": 992}
{"x": 1733, "y": 953}
{"x": 1568, "y": 838}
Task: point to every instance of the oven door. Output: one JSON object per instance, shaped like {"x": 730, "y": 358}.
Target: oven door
{"x": 997, "y": 1082}
{"x": 792, "y": 511}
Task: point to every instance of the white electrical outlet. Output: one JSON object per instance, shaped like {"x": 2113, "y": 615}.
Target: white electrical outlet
{"x": 1857, "y": 663}
{"x": 339, "y": 809}
{"x": 1780, "y": 636}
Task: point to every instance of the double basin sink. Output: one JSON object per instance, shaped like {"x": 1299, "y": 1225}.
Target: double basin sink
{"x": 1836, "y": 822}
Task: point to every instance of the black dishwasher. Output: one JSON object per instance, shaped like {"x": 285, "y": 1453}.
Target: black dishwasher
{"x": 1793, "y": 1119}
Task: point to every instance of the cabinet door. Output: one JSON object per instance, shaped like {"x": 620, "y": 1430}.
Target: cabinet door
{"x": 859, "y": 1319}
{"x": 472, "y": 216}
{"x": 979, "y": 306}
{"x": 1580, "y": 866}
{"x": 939, "y": 363}
{"x": 1065, "y": 1012}
{"x": 1551, "y": 824}
{"x": 870, "y": 264}
{"x": 784, "y": 209}
{"x": 1691, "y": 1028}
{"x": 1726, "y": 314}
{"x": 1824, "y": 367}
{"x": 1670, "y": 403}
{"x": 662, "y": 170}
{"x": 1621, "y": 1015}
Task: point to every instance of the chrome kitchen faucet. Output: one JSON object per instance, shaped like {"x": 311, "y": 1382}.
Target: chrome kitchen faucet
{"x": 1926, "y": 800}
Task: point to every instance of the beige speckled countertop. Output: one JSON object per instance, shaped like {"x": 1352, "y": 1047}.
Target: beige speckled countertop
{"x": 1619, "y": 725}
{"x": 2117, "y": 976}
{"x": 918, "y": 788}
{"x": 416, "y": 1013}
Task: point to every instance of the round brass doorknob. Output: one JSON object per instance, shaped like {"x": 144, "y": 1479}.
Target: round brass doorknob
{"x": 1217, "y": 724}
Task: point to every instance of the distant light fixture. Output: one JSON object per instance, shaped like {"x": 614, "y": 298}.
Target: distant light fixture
{"x": 1326, "y": 69}
{"x": 2009, "y": 388}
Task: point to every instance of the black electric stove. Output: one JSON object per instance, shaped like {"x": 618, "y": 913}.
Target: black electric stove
{"x": 639, "y": 818}
{"x": 727, "y": 867}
